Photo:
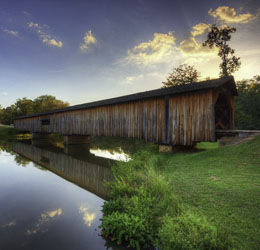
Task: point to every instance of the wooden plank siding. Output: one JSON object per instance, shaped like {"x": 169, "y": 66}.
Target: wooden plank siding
{"x": 141, "y": 119}
{"x": 179, "y": 115}
{"x": 191, "y": 118}
{"x": 188, "y": 119}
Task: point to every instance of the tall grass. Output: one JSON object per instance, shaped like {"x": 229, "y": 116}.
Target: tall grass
{"x": 144, "y": 212}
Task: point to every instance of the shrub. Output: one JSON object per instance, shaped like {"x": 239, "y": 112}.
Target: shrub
{"x": 123, "y": 227}
{"x": 190, "y": 232}
{"x": 144, "y": 212}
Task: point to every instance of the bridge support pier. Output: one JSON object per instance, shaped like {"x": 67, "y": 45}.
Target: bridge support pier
{"x": 76, "y": 139}
{"x": 165, "y": 148}
{"x": 40, "y": 139}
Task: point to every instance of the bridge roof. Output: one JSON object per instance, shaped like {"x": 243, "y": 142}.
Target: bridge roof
{"x": 227, "y": 82}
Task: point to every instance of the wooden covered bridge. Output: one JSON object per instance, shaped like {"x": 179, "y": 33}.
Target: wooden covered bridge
{"x": 179, "y": 115}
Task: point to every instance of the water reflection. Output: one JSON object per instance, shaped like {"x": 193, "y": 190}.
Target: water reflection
{"x": 75, "y": 164}
{"x": 44, "y": 219}
{"x": 40, "y": 210}
{"x": 113, "y": 155}
{"x": 87, "y": 216}
{"x": 9, "y": 224}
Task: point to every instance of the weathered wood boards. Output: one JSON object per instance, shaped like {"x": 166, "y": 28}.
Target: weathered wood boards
{"x": 172, "y": 117}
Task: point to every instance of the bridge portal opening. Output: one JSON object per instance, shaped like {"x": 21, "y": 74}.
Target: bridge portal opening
{"x": 223, "y": 113}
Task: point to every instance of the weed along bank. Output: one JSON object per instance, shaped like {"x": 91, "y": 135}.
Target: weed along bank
{"x": 179, "y": 115}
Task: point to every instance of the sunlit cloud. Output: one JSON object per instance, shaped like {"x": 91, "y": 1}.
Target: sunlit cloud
{"x": 52, "y": 42}
{"x": 32, "y": 24}
{"x": 132, "y": 79}
{"x": 52, "y": 213}
{"x": 190, "y": 47}
{"x": 162, "y": 51}
{"x": 44, "y": 37}
{"x": 200, "y": 29}
{"x": 44, "y": 218}
{"x": 11, "y": 32}
{"x": 158, "y": 50}
{"x": 87, "y": 217}
{"x": 89, "y": 41}
{"x": 229, "y": 15}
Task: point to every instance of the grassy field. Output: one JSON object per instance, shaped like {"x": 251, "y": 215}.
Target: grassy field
{"x": 224, "y": 185}
{"x": 219, "y": 183}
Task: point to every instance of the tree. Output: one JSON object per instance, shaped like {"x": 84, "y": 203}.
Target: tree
{"x": 26, "y": 106}
{"x": 219, "y": 36}
{"x": 1, "y": 113}
{"x": 8, "y": 115}
{"x": 183, "y": 74}
{"x": 47, "y": 102}
{"x": 247, "y": 104}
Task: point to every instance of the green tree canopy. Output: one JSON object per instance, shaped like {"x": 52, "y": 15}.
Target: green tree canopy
{"x": 46, "y": 103}
{"x": 27, "y": 106}
{"x": 247, "y": 104}
{"x": 24, "y": 106}
{"x": 183, "y": 74}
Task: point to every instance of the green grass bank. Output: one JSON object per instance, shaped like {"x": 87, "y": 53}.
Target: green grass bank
{"x": 208, "y": 199}
{"x": 9, "y": 133}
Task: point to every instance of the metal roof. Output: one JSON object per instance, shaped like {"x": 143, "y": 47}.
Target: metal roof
{"x": 197, "y": 86}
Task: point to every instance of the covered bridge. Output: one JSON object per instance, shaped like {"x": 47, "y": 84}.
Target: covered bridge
{"x": 179, "y": 115}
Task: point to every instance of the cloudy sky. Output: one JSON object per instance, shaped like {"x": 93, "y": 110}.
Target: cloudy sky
{"x": 83, "y": 50}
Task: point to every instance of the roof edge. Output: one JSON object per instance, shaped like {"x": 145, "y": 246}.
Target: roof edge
{"x": 196, "y": 86}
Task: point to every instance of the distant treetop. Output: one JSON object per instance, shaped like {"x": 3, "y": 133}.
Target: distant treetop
{"x": 183, "y": 74}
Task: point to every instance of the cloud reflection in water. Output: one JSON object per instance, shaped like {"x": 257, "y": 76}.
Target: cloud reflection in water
{"x": 44, "y": 218}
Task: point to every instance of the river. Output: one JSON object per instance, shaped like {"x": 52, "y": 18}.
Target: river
{"x": 51, "y": 198}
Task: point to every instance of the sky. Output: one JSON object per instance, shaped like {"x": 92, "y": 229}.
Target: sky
{"x": 82, "y": 50}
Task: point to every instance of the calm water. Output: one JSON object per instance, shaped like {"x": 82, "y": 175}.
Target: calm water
{"x": 51, "y": 199}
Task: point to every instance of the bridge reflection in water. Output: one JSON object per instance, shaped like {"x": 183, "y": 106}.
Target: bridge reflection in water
{"x": 75, "y": 164}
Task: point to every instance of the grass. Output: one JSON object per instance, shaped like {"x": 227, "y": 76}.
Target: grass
{"x": 9, "y": 133}
{"x": 219, "y": 186}
{"x": 224, "y": 185}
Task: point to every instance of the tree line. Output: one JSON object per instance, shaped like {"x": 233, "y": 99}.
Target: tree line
{"x": 27, "y": 106}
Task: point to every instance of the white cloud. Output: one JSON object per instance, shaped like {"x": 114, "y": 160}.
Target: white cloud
{"x": 89, "y": 41}
{"x": 52, "y": 42}
{"x": 11, "y": 32}
{"x": 45, "y": 38}
{"x": 132, "y": 79}
{"x": 158, "y": 50}
{"x": 4, "y": 93}
{"x": 200, "y": 29}
{"x": 229, "y": 15}
{"x": 32, "y": 24}
{"x": 190, "y": 47}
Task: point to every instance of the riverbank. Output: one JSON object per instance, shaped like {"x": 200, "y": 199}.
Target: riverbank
{"x": 201, "y": 200}
{"x": 10, "y": 133}
{"x": 207, "y": 198}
